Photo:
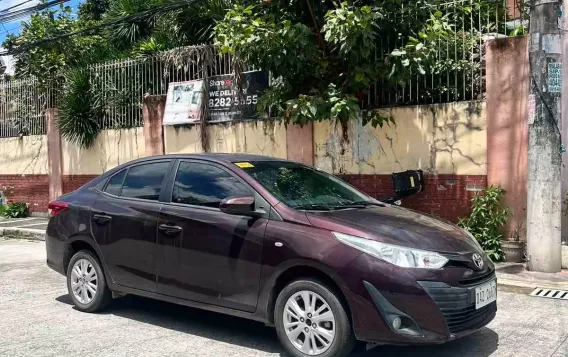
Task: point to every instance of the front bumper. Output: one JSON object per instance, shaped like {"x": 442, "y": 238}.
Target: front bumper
{"x": 435, "y": 312}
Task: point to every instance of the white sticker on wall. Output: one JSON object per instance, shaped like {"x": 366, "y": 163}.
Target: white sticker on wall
{"x": 535, "y": 42}
{"x": 555, "y": 77}
{"x": 552, "y": 43}
{"x": 540, "y": 2}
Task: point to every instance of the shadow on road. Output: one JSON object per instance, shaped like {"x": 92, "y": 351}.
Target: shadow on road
{"x": 251, "y": 334}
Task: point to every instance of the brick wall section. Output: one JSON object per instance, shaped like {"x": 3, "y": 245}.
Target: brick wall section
{"x": 73, "y": 182}
{"x": 445, "y": 196}
{"x": 32, "y": 189}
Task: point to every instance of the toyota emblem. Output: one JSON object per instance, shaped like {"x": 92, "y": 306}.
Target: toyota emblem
{"x": 477, "y": 260}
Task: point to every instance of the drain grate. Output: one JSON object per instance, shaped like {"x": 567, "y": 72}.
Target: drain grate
{"x": 550, "y": 293}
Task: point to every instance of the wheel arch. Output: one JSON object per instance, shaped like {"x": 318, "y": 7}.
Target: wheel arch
{"x": 78, "y": 243}
{"x": 303, "y": 269}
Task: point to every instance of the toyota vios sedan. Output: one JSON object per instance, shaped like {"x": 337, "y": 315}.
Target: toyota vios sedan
{"x": 273, "y": 241}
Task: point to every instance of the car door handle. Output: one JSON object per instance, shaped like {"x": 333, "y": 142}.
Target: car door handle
{"x": 102, "y": 218}
{"x": 170, "y": 230}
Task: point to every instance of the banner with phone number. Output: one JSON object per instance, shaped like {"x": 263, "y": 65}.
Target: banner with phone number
{"x": 225, "y": 103}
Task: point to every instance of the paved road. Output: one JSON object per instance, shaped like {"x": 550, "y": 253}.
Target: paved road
{"x": 36, "y": 319}
{"x": 30, "y": 223}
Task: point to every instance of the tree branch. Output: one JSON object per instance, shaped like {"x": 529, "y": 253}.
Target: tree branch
{"x": 316, "y": 27}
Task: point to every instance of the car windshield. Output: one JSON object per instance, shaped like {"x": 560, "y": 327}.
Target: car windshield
{"x": 303, "y": 187}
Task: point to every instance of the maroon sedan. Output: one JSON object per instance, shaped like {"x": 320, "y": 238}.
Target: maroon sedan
{"x": 274, "y": 241}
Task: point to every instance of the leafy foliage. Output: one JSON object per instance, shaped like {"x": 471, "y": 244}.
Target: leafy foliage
{"x": 486, "y": 220}
{"x": 323, "y": 55}
{"x": 16, "y": 210}
{"x": 80, "y": 109}
{"x": 46, "y": 61}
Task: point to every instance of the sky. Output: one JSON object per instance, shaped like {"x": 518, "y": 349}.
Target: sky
{"x": 15, "y": 26}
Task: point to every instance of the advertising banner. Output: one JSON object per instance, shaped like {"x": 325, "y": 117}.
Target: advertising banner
{"x": 183, "y": 101}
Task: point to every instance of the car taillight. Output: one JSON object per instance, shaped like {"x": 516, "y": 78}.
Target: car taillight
{"x": 57, "y": 207}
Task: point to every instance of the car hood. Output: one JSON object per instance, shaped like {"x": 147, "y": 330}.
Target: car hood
{"x": 396, "y": 225}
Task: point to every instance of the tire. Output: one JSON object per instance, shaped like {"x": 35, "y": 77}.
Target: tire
{"x": 343, "y": 339}
{"x": 101, "y": 297}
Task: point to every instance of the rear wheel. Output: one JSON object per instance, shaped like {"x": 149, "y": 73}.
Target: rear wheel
{"x": 86, "y": 283}
{"x": 311, "y": 320}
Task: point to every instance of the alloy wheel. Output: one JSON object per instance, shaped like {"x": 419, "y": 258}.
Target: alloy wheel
{"x": 84, "y": 282}
{"x": 309, "y": 323}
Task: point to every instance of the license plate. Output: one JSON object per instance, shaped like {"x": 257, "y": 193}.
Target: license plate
{"x": 485, "y": 294}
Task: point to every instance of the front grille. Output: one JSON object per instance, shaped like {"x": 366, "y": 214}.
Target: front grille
{"x": 478, "y": 279}
{"x": 458, "y": 306}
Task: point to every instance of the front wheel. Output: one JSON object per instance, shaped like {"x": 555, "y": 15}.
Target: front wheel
{"x": 311, "y": 320}
{"x": 86, "y": 282}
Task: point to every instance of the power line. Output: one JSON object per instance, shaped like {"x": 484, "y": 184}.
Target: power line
{"x": 107, "y": 24}
{"x": 14, "y": 15}
{"x": 17, "y": 5}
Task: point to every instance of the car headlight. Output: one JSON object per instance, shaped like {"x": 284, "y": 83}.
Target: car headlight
{"x": 395, "y": 254}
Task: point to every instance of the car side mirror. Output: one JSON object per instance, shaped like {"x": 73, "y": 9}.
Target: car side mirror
{"x": 239, "y": 206}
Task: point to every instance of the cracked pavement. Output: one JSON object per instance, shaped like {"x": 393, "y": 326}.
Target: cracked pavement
{"x": 37, "y": 319}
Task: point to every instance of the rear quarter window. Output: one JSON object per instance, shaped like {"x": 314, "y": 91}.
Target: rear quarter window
{"x": 115, "y": 183}
{"x": 145, "y": 181}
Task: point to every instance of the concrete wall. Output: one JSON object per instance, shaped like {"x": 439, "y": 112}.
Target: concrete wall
{"x": 447, "y": 141}
{"x": 24, "y": 170}
{"x": 255, "y": 137}
{"x": 23, "y": 156}
{"x": 439, "y": 139}
{"x": 507, "y": 126}
{"x": 112, "y": 148}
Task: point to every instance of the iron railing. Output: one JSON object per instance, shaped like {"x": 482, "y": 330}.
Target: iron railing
{"x": 459, "y": 74}
{"x": 125, "y": 82}
{"x": 22, "y": 107}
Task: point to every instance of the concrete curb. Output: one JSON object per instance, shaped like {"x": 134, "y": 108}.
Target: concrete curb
{"x": 22, "y": 233}
{"x": 505, "y": 282}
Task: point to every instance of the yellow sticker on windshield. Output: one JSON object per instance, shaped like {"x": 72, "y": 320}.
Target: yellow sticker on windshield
{"x": 244, "y": 165}
{"x": 411, "y": 181}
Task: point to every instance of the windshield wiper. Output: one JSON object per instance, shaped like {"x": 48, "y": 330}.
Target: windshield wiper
{"x": 360, "y": 204}
{"x": 368, "y": 203}
{"x": 314, "y": 207}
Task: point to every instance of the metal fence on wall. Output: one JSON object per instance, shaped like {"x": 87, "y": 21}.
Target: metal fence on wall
{"x": 459, "y": 74}
{"x": 22, "y": 107}
{"x": 125, "y": 83}
{"x": 460, "y": 70}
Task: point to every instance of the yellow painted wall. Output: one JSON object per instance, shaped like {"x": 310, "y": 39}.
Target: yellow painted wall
{"x": 112, "y": 148}
{"x": 25, "y": 156}
{"x": 255, "y": 137}
{"x": 442, "y": 139}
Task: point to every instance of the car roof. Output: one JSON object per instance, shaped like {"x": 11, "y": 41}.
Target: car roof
{"x": 217, "y": 157}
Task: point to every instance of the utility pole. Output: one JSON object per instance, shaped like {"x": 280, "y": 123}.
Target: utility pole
{"x": 564, "y": 132}
{"x": 544, "y": 194}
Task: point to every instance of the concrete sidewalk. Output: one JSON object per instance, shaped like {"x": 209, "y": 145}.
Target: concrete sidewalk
{"x": 516, "y": 275}
{"x": 28, "y": 228}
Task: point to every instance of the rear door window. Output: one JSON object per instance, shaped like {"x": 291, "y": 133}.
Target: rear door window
{"x": 115, "y": 183}
{"x": 205, "y": 185}
{"x": 145, "y": 181}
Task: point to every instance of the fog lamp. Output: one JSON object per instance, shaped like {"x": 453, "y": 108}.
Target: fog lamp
{"x": 396, "y": 323}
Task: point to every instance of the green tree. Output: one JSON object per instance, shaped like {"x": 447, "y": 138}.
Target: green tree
{"x": 45, "y": 60}
{"x": 323, "y": 55}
